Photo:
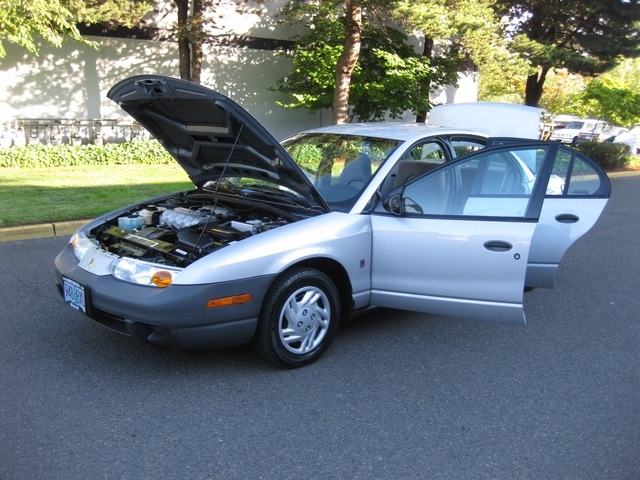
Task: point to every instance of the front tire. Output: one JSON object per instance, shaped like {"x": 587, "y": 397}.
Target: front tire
{"x": 299, "y": 318}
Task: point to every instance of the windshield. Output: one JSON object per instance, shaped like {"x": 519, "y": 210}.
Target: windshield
{"x": 574, "y": 125}
{"x": 339, "y": 165}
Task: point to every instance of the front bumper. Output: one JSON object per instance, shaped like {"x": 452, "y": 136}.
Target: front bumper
{"x": 175, "y": 316}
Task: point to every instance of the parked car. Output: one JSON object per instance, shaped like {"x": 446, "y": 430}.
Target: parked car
{"x": 630, "y": 138}
{"x": 579, "y": 130}
{"x": 610, "y": 133}
{"x": 279, "y": 242}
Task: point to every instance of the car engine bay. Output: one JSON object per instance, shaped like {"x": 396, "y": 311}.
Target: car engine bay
{"x": 181, "y": 229}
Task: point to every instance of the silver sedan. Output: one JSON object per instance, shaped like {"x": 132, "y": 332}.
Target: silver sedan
{"x": 279, "y": 242}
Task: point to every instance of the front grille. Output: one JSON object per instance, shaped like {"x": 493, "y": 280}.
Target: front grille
{"x": 112, "y": 322}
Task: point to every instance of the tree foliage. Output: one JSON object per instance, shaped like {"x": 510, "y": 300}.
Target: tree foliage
{"x": 453, "y": 32}
{"x": 22, "y": 22}
{"x": 386, "y": 79}
{"x": 467, "y": 29}
{"x": 606, "y": 99}
{"x": 563, "y": 92}
{"x": 197, "y": 21}
{"x": 583, "y": 36}
{"x": 390, "y": 77}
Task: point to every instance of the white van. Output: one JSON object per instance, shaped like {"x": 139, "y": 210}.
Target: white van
{"x": 491, "y": 118}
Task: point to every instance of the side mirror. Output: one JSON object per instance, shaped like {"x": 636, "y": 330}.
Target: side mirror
{"x": 399, "y": 205}
{"x": 393, "y": 204}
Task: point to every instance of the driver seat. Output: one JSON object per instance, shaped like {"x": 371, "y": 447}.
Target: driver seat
{"x": 359, "y": 169}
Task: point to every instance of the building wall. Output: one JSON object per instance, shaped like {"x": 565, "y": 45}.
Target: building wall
{"x": 71, "y": 83}
{"x": 60, "y": 95}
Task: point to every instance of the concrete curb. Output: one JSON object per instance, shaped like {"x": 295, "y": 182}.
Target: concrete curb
{"x": 44, "y": 230}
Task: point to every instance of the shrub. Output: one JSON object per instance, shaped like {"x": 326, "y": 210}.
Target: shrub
{"x": 141, "y": 152}
{"x": 608, "y": 155}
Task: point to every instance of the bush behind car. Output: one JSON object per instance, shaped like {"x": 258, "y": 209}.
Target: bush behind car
{"x": 147, "y": 152}
{"x": 130, "y": 153}
{"x": 607, "y": 154}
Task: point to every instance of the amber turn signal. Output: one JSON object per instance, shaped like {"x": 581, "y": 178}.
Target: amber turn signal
{"x": 162, "y": 278}
{"x": 226, "y": 301}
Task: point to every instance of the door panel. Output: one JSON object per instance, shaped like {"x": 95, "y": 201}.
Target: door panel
{"x": 577, "y": 193}
{"x": 460, "y": 241}
{"x": 451, "y": 267}
{"x": 554, "y": 236}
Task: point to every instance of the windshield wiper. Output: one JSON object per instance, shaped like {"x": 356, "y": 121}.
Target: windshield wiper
{"x": 224, "y": 185}
{"x": 273, "y": 192}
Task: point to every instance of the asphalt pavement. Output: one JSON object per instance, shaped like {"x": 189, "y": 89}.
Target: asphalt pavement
{"x": 399, "y": 395}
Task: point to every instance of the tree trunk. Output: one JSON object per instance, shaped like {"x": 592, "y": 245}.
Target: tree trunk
{"x": 427, "y": 51}
{"x": 184, "y": 48}
{"x": 347, "y": 62}
{"x": 535, "y": 83}
{"x": 196, "y": 61}
{"x": 196, "y": 42}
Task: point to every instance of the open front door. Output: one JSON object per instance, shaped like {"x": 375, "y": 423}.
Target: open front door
{"x": 456, "y": 241}
{"x": 474, "y": 270}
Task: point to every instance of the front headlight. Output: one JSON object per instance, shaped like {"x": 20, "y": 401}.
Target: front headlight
{"x": 81, "y": 244}
{"x": 143, "y": 273}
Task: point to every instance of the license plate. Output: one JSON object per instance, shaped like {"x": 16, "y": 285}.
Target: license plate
{"x": 75, "y": 294}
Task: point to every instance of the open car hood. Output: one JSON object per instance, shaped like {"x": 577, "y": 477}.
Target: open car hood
{"x": 209, "y": 134}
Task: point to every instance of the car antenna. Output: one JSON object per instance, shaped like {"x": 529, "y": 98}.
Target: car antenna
{"x": 215, "y": 193}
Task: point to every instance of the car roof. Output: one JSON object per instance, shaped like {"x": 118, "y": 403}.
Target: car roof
{"x": 404, "y": 131}
{"x": 593, "y": 120}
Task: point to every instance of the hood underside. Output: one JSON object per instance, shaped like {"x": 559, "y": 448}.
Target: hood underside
{"x": 208, "y": 134}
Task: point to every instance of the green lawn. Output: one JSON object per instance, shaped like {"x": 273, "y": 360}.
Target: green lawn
{"x": 39, "y": 195}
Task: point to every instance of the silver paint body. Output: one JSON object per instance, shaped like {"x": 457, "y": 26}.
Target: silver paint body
{"x": 424, "y": 263}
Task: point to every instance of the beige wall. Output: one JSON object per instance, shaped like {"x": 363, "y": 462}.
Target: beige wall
{"x": 72, "y": 82}
{"x": 68, "y": 85}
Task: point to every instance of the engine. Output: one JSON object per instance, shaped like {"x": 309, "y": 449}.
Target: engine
{"x": 183, "y": 229}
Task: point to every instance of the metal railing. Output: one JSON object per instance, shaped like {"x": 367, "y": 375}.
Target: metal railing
{"x": 61, "y": 131}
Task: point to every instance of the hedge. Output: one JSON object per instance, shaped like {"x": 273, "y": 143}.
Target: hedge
{"x": 608, "y": 155}
{"x": 130, "y": 153}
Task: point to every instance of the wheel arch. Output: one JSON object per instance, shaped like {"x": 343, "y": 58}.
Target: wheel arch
{"x": 338, "y": 275}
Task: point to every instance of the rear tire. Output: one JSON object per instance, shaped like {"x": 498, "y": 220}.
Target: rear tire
{"x": 299, "y": 318}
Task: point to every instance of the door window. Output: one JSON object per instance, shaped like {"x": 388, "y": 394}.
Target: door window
{"x": 462, "y": 146}
{"x": 491, "y": 184}
{"x": 416, "y": 161}
{"x": 574, "y": 175}
{"x": 429, "y": 152}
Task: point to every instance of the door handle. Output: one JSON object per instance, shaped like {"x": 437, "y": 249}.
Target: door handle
{"x": 567, "y": 218}
{"x": 498, "y": 246}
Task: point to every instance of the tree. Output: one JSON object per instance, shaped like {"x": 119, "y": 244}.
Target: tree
{"x": 563, "y": 92}
{"x": 626, "y": 74}
{"x": 454, "y": 31}
{"x": 388, "y": 77}
{"x": 343, "y": 21}
{"x": 196, "y": 22}
{"x": 347, "y": 61}
{"x": 189, "y": 34}
{"x": 608, "y": 100}
{"x": 54, "y": 21}
{"x": 584, "y": 36}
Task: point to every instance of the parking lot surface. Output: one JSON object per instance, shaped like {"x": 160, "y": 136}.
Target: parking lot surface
{"x": 399, "y": 395}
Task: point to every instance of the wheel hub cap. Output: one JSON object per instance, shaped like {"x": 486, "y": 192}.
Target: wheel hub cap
{"x": 304, "y": 320}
